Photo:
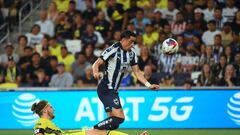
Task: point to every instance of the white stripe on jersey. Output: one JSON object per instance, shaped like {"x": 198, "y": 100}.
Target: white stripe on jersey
{"x": 117, "y": 63}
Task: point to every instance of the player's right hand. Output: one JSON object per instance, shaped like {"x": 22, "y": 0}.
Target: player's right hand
{"x": 98, "y": 75}
{"x": 154, "y": 87}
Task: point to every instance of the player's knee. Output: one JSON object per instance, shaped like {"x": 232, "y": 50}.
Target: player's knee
{"x": 114, "y": 127}
{"x": 121, "y": 120}
{"x": 116, "y": 122}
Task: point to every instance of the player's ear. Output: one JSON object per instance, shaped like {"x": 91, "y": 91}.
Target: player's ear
{"x": 44, "y": 110}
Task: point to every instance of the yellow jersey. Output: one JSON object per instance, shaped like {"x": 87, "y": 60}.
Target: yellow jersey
{"x": 55, "y": 51}
{"x": 62, "y": 5}
{"x": 101, "y": 5}
{"x": 162, "y": 4}
{"x": 47, "y": 127}
{"x": 143, "y": 3}
{"x": 149, "y": 40}
{"x": 8, "y": 85}
{"x": 125, "y": 3}
{"x": 68, "y": 61}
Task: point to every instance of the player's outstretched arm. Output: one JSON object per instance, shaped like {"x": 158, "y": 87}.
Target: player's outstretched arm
{"x": 142, "y": 79}
{"x": 98, "y": 75}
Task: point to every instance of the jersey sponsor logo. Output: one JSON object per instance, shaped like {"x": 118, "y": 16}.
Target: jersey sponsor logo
{"x": 37, "y": 131}
{"x": 233, "y": 108}
{"x": 21, "y": 109}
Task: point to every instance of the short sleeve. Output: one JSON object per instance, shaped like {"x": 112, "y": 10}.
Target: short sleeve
{"x": 134, "y": 60}
{"x": 39, "y": 127}
{"x": 109, "y": 52}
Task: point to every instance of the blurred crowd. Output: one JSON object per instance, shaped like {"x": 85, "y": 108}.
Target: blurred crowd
{"x": 207, "y": 31}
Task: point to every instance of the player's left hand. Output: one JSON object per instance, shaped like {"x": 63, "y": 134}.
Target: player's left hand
{"x": 154, "y": 87}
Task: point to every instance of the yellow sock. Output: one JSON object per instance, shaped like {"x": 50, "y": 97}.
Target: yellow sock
{"x": 116, "y": 133}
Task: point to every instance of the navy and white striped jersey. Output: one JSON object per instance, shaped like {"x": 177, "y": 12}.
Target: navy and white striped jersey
{"x": 117, "y": 62}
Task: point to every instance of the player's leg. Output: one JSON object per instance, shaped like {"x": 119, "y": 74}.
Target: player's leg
{"x": 116, "y": 112}
{"x": 116, "y": 117}
{"x": 112, "y": 132}
{"x": 103, "y": 132}
{"x": 97, "y": 132}
{"x": 112, "y": 105}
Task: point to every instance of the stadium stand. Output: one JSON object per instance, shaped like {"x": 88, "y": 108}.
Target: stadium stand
{"x": 208, "y": 33}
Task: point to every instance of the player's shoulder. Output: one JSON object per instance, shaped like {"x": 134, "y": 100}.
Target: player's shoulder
{"x": 41, "y": 123}
{"x": 113, "y": 47}
{"x": 133, "y": 51}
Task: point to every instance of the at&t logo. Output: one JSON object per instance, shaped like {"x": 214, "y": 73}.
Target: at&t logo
{"x": 22, "y": 109}
{"x": 234, "y": 108}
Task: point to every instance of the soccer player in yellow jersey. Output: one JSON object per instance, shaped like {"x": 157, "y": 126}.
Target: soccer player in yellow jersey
{"x": 45, "y": 126}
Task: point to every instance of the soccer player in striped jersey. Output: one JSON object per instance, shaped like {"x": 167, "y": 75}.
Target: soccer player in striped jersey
{"x": 45, "y": 126}
{"x": 118, "y": 59}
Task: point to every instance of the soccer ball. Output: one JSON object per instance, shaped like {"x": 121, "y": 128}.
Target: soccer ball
{"x": 170, "y": 46}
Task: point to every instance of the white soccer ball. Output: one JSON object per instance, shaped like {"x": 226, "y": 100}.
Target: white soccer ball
{"x": 170, "y": 46}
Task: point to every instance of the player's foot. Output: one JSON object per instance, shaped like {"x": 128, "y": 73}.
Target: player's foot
{"x": 144, "y": 133}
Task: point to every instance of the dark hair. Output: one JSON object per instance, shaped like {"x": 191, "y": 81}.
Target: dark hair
{"x": 172, "y": 1}
{"x": 227, "y": 24}
{"x": 64, "y": 47}
{"x": 127, "y": 34}
{"x": 22, "y": 36}
{"x": 36, "y": 25}
{"x": 180, "y": 13}
{"x": 72, "y": 2}
{"x": 78, "y": 54}
{"x": 212, "y": 22}
{"x": 223, "y": 55}
{"x": 141, "y": 10}
{"x": 46, "y": 36}
{"x": 28, "y": 48}
{"x": 53, "y": 58}
{"x": 85, "y": 47}
{"x": 188, "y": 81}
{"x": 36, "y": 53}
{"x": 38, "y": 107}
{"x": 218, "y": 8}
{"x": 218, "y": 35}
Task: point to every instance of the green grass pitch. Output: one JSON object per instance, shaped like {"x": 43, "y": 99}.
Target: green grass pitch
{"x": 151, "y": 132}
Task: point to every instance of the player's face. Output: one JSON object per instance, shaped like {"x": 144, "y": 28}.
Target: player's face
{"x": 50, "y": 111}
{"x": 128, "y": 43}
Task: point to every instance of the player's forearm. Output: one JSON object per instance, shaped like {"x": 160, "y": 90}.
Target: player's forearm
{"x": 142, "y": 79}
{"x": 95, "y": 67}
{"x": 140, "y": 76}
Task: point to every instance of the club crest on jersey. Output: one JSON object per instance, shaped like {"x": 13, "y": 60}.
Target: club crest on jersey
{"x": 116, "y": 101}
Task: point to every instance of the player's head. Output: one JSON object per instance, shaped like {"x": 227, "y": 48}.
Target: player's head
{"x": 127, "y": 39}
{"x": 43, "y": 109}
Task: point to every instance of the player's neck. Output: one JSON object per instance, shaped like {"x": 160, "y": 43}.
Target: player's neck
{"x": 123, "y": 47}
{"x": 45, "y": 117}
